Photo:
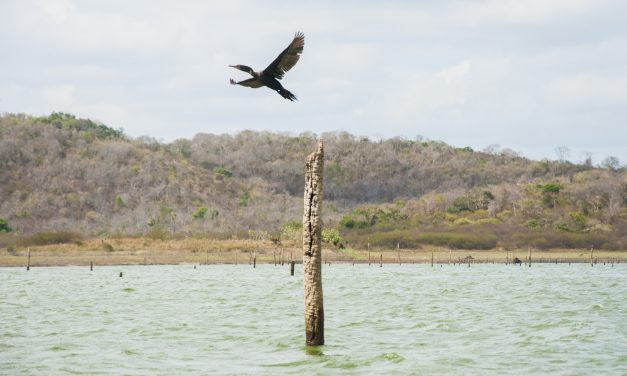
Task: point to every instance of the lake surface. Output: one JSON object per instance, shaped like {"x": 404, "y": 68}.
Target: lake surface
{"x": 227, "y": 319}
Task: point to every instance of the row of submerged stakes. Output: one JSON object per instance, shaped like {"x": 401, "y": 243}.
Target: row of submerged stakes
{"x": 313, "y": 257}
{"x": 283, "y": 256}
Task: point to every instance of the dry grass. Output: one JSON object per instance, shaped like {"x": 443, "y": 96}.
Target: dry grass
{"x": 137, "y": 251}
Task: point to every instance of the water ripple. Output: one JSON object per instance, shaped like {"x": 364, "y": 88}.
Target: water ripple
{"x": 409, "y": 319}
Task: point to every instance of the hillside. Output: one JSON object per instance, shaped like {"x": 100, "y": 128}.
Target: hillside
{"x": 63, "y": 173}
{"x": 60, "y": 173}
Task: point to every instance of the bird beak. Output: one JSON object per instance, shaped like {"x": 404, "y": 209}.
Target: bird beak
{"x": 232, "y": 66}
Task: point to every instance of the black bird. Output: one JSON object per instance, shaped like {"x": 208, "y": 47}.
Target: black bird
{"x": 274, "y": 72}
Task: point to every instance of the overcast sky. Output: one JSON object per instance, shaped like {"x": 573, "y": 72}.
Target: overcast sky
{"x": 527, "y": 75}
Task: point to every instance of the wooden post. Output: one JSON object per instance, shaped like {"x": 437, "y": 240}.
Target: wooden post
{"x": 432, "y": 259}
{"x": 91, "y": 266}
{"x": 450, "y": 255}
{"x": 28, "y": 263}
{"x": 120, "y": 274}
{"x": 292, "y": 267}
{"x": 274, "y": 255}
{"x": 591, "y": 256}
{"x": 368, "y": 253}
{"x": 254, "y": 259}
{"x": 312, "y": 248}
{"x": 398, "y": 251}
{"x": 529, "y": 257}
{"x": 381, "y": 260}
{"x": 236, "y": 252}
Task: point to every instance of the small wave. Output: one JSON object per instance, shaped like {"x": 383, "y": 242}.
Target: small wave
{"x": 391, "y": 357}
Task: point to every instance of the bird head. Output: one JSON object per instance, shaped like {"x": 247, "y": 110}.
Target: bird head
{"x": 243, "y": 68}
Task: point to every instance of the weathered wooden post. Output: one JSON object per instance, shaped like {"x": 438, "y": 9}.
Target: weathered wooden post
{"x": 274, "y": 255}
{"x": 398, "y": 251}
{"x": 432, "y": 259}
{"x": 529, "y": 257}
{"x": 292, "y": 267}
{"x": 591, "y": 256}
{"x": 312, "y": 248}
{"x": 368, "y": 253}
{"x": 91, "y": 266}
{"x": 381, "y": 260}
{"x": 28, "y": 263}
{"x": 254, "y": 259}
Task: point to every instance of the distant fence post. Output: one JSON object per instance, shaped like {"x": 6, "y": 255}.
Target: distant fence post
{"x": 312, "y": 248}
{"x": 28, "y": 262}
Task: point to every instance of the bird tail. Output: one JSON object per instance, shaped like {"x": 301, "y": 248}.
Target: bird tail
{"x": 287, "y": 94}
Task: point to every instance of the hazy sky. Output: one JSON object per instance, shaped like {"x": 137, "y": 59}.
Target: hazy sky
{"x": 527, "y": 75}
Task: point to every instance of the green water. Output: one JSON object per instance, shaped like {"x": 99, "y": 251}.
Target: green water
{"x": 409, "y": 319}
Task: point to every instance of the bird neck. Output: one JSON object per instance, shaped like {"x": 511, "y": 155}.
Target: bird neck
{"x": 249, "y": 70}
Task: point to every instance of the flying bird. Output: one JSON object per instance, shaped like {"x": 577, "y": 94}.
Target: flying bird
{"x": 270, "y": 76}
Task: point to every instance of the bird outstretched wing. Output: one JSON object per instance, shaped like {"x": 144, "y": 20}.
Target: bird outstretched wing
{"x": 251, "y": 82}
{"x": 288, "y": 58}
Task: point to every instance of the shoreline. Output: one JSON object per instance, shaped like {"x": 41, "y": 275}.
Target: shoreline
{"x": 140, "y": 251}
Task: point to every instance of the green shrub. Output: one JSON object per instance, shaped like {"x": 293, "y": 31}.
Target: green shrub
{"x": 413, "y": 239}
{"x": 200, "y": 213}
{"x": 347, "y": 221}
{"x": 51, "y": 237}
{"x": 532, "y": 223}
{"x": 472, "y": 200}
{"x": 244, "y": 199}
{"x": 579, "y": 219}
{"x": 558, "y": 239}
{"x": 119, "y": 202}
{"x": 4, "y": 225}
{"x": 551, "y": 188}
{"x": 291, "y": 230}
{"x": 221, "y": 171}
{"x": 462, "y": 221}
{"x": 331, "y": 236}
